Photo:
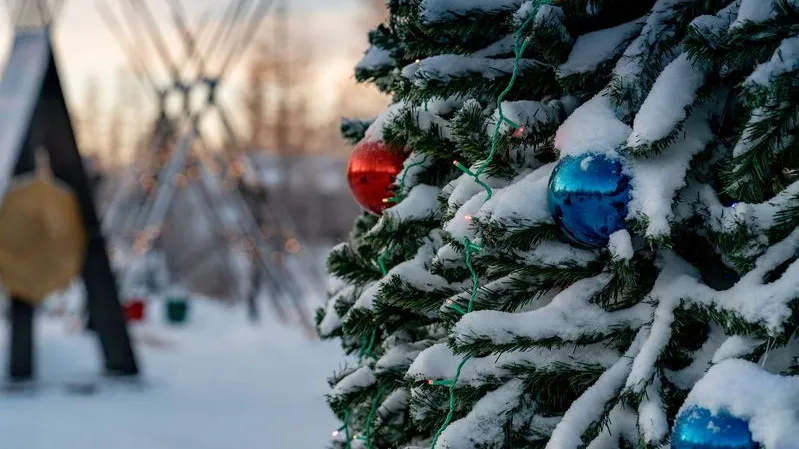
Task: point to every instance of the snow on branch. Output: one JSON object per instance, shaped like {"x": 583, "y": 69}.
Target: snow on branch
{"x": 593, "y": 127}
{"x": 446, "y": 68}
{"x": 524, "y": 199}
{"x": 359, "y": 380}
{"x": 656, "y": 179}
{"x": 485, "y": 424}
{"x": 589, "y": 407}
{"x": 598, "y": 47}
{"x": 757, "y": 218}
{"x": 666, "y": 105}
{"x": 439, "y": 362}
{"x": 420, "y": 203}
{"x": 433, "y": 11}
{"x": 785, "y": 60}
{"x": 754, "y": 11}
{"x": 570, "y": 317}
{"x": 658, "y": 334}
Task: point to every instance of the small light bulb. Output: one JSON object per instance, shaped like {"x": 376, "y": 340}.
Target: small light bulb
{"x": 430, "y": 381}
{"x": 467, "y": 217}
{"x": 418, "y": 61}
{"x": 449, "y": 302}
{"x": 336, "y": 433}
{"x": 454, "y": 162}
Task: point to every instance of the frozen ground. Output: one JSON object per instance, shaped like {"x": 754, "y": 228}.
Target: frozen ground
{"x": 216, "y": 383}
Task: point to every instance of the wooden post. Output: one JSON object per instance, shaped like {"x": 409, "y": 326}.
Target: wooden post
{"x": 20, "y": 357}
{"x": 20, "y": 361}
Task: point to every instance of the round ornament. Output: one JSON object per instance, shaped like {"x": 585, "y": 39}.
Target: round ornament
{"x": 588, "y": 197}
{"x": 698, "y": 428}
{"x": 42, "y": 237}
{"x": 371, "y": 172}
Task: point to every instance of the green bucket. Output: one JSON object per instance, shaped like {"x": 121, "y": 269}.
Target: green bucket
{"x": 177, "y": 309}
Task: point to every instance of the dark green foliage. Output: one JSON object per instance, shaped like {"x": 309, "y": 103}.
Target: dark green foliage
{"x": 346, "y": 264}
{"x": 397, "y": 293}
{"x": 536, "y": 80}
{"x": 353, "y": 129}
{"x": 510, "y": 275}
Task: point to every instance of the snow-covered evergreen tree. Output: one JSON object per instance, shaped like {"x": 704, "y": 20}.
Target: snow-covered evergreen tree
{"x": 478, "y": 323}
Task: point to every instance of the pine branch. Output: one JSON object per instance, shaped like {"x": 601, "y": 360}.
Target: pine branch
{"x": 771, "y": 131}
{"x": 535, "y": 80}
{"x": 518, "y": 235}
{"x": 354, "y": 129}
{"x": 346, "y": 264}
{"x": 398, "y": 293}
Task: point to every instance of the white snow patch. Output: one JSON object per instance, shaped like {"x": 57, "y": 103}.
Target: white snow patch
{"x": 621, "y": 245}
{"x": 735, "y": 346}
{"x": 557, "y": 253}
{"x": 665, "y": 106}
{"x": 401, "y": 355}
{"x": 524, "y": 199}
{"x": 652, "y": 418}
{"x": 215, "y": 382}
{"x": 420, "y": 203}
{"x": 756, "y": 217}
{"x": 444, "y": 68}
{"x": 485, "y": 422}
{"x": 592, "y": 49}
{"x": 362, "y": 378}
{"x": 395, "y": 402}
{"x": 656, "y": 179}
{"x": 659, "y": 332}
{"x": 461, "y": 225}
{"x": 754, "y": 11}
{"x": 785, "y": 59}
{"x": 375, "y": 131}
{"x": 592, "y": 127}
{"x": 374, "y": 59}
{"x": 589, "y": 406}
{"x": 439, "y": 362}
{"x": 569, "y": 316}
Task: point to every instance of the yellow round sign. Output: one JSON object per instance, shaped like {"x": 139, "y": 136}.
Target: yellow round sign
{"x": 42, "y": 238}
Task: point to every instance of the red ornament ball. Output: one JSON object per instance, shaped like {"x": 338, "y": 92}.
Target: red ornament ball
{"x": 371, "y": 172}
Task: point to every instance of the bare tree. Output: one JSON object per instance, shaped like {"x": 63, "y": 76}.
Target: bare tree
{"x": 89, "y": 130}
{"x": 255, "y": 102}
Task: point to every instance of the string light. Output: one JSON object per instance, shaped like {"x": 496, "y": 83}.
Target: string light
{"x": 293, "y": 246}
{"x": 470, "y": 248}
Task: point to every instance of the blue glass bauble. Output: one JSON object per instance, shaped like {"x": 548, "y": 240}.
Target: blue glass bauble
{"x": 588, "y": 196}
{"x": 698, "y": 428}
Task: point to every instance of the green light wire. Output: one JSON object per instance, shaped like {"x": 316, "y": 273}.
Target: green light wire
{"x": 451, "y": 412}
{"x": 519, "y": 47}
{"x": 367, "y": 436}
{"x": 470, "y": 247}
{"x": 400, "y": 197}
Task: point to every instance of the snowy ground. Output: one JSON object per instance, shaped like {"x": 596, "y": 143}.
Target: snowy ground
{"x": 216, "y": 383}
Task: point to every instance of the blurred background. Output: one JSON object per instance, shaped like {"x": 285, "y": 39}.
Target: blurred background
{"x": 256, "y": 201}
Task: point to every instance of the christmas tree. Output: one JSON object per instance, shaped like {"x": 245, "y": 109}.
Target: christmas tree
{"x": 593, "y": 240}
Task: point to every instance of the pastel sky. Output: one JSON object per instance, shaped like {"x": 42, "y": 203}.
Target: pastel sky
{"x": 86, "y": 48}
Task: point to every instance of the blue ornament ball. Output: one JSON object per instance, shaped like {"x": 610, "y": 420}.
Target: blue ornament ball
{"x": 588, "y": 197}
{"x": 698, "y": 428}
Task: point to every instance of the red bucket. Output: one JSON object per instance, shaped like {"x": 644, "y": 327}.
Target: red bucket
{"x": 134, "y": 310}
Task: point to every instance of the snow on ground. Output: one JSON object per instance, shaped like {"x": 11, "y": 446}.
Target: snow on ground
{"x": 219, "y": 382}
